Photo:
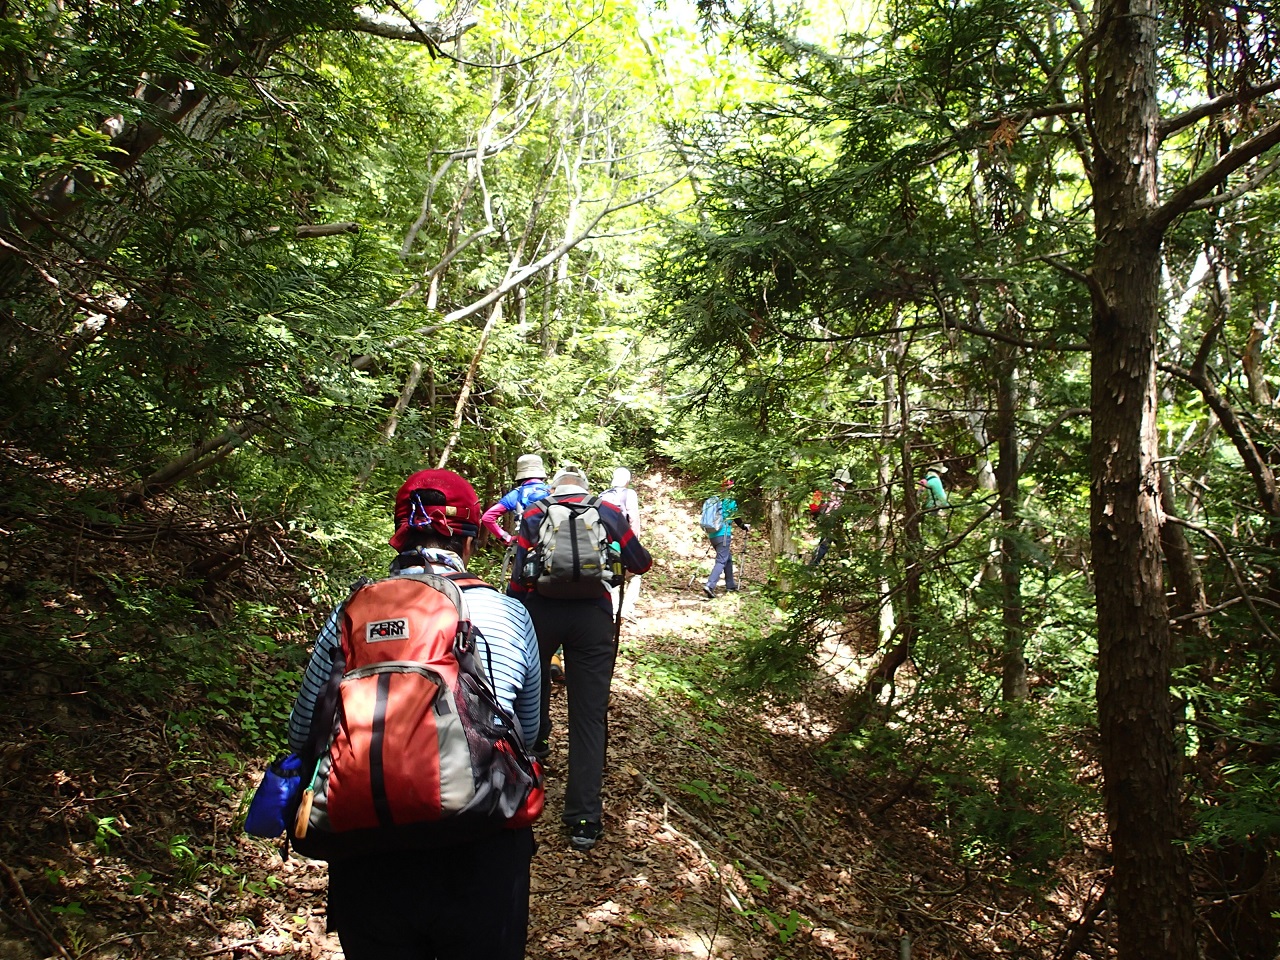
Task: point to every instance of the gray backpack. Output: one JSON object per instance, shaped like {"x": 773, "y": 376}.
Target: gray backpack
{"x": 572, "y": 551}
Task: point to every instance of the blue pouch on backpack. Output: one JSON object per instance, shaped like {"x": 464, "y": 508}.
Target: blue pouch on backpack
{"x": 275, "y": 798}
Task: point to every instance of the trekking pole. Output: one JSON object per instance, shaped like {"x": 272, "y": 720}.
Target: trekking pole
{"x": 617, "y": 617}
{"x": 620, "y": 581}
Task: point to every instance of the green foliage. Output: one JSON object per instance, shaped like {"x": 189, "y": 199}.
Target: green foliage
{"x": 703, "y": 790}
{"x": 693, "y": 676}
{"x": 104, "y": 832}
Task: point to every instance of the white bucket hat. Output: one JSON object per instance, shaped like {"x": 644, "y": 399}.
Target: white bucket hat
{"x": 529, "y": 467}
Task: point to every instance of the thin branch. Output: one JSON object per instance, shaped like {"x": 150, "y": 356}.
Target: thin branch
{"x": 1206, "y": 612}
{"x": 449, "y": 257}
{"x": 1264, "y": 478}
{"x": 515, "y": 63}
{"x": 947, "y": 325}
{"x": 35, "y": 918}
{"x": 392, "y": 28}
{"x": 515, "y": 279}
{"x": 308, "y": 230}
{"x": 1058, "y": 421}
{"x": 1219, "y": 199}
{"x": 1183, "y": 199}
{"x": 1235, "y": 571}
{"x": 1212, "y": 107}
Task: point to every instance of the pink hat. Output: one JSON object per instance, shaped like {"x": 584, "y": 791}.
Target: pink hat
{"x": 459, "y": 515}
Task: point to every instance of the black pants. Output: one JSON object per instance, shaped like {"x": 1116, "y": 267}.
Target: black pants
{"x": 585, "y": 630}
{"x": 457, "y": 903}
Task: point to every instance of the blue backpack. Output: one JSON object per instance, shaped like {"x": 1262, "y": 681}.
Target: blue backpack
{"x": 712, "y": 516}
{"x": 529, "y": 493}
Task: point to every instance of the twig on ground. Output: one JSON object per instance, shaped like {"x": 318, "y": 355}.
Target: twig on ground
{"x": 1079, "y": 931}
{"x": 34, "y": 917}
{"x": 226, "y": 948}
{"x": 726, "y": 844}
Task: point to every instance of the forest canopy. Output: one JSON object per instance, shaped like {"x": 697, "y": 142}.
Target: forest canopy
{"x": 274, "y": 256}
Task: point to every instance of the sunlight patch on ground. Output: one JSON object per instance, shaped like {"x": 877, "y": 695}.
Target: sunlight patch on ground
{"x": 798, "y": 721}
{"x": 841, "y": 662}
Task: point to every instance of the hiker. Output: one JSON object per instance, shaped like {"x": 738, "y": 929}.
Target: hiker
{"x": 625, "y": 499}
{"x": 935, "y": 495}
{"x": 821, "y": 510}
{"x": 570, "y": 607}
{"x": 469, "y": 898}
{"x": 531, "y": 485}
{"x": 722, "y": 540}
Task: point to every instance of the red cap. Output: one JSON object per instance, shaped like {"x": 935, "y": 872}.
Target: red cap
{"x": 459, "y": 515}
{"x": 726, "y": 483}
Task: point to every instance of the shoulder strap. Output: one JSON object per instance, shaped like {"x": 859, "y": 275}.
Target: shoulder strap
{"x": 445, "y": 584}
{"x": 467, "y": 581}
{"x": 464, "y": 580}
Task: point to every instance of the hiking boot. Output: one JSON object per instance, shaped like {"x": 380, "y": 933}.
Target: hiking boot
{"x": 557, "y": 671}
{"x": 541, "y": 750}
{"x": 708, "y": 593}
{"x": 584, "y": 834}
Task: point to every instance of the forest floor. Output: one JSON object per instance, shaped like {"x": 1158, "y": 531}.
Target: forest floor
{"x": 725, "y": 836}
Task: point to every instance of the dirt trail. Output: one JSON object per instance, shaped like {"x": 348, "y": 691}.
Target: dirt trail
{"x": 715, "y": 831}
{"x": 725, "y": 837}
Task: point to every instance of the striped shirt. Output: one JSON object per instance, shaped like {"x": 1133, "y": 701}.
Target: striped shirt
{"x": 507, "y": 651}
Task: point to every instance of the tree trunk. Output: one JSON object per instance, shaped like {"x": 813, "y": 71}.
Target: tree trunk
{"x": 1014, "y": 685}
{"x": 393, "y": 420}
{"x": 468, "y": 383}
{"x": 1254, "y": 365}
{"x": 985, "y": 482}
{"x": 890, "y": 423}
{"x": 1142, "y": 773}
{"x": 859, "y": 705}
{"x": 199, "y": 458}
{"x": 781, "y": 543}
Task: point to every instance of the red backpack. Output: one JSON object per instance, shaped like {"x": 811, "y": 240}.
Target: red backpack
{"x": 421, "y": 753}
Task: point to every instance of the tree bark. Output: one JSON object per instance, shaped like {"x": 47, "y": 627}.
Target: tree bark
{"x": 1014, "y": 685}
{"x": 468, "y": 383}
{"x": 1254, "y": 365}
{"x": 781, "y": 542}
{"x": 859, "y": 705}
{"x": 1142, "y": 771}
{"x": 189, "y": 464}
{"x": 392, "y": 422}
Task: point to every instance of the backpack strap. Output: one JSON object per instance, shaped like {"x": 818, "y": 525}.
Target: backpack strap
{"x": 325, "y": 712}
{"x": 620, "y": 503}
{"x": 464, "y": 580}
{"x": 467, "y": 581}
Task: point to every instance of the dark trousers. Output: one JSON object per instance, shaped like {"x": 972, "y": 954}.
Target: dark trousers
{"x": 723, "y": 564}
{"x": 585, "y": 630}
{"x": 455, "y": 903}
{"x": 823, "y": 546}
